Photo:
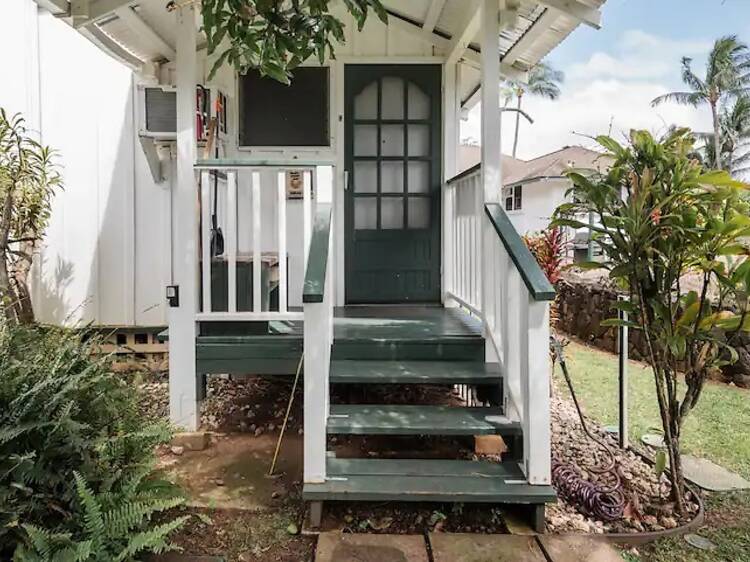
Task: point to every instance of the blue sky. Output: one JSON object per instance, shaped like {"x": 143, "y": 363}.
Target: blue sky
{"x": 613, "y": 73}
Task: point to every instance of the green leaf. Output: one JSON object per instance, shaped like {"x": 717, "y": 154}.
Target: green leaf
{"x": 720, "y": 178}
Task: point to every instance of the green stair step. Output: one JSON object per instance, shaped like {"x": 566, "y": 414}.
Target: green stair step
{"x": 421, "y": 467}
{"x": 414, "y": 372}
{"x": 425, "y": 481}
{"x": 384, "y": 419}
{"x": 444, "y": 348}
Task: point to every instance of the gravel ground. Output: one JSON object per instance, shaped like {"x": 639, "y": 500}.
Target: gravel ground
{"x": 647, "y": 505}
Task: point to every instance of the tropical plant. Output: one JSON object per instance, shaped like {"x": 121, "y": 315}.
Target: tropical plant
{"x": 726, "y": 78}
{"x": 660, "y": 217}
{"x": 276, "y": 37}
{"x": 28, "y": 181}
{"x": 543, "y": 81}
{"x": 116, "y": 525}
{"x": 63, "y": 411}
{"x": 549, "y": 248}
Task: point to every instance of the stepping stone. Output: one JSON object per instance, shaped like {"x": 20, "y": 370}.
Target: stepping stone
{"x": 577, "y": 548}
{"x": 349, "y": 547}
{"x": 711, "y": 476}
{"x": 450, "y": 547}
{"x": 653, "y": 440}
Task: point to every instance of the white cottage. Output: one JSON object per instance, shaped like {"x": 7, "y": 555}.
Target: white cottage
{"x": 325, "y": 221}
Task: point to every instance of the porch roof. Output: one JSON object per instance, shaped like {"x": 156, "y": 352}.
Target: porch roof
{"x": 139, "y": 32}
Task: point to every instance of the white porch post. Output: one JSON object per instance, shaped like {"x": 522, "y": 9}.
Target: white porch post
{"x": 451, "y": 141}
{"x": 183, "y": 381}
{"x": 535, "y": 370}
{"x": 491, "y": 159}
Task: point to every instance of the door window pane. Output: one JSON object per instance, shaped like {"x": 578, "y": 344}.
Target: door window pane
{"x": 393, "y": 98}
{"x": 366, "y": 140}
{"x": 419, "y": 177}
{"x": 419, "y": 103}
{"x": 419, "y": 212}
{"x": 366, "y": 103}
{"x": 365, "y": 213}
{"x": 392, "y": 177}
{"x": 419, "y": 140}
{"x": 392, "y": 140}
{"x": 391, "y": 213}
{"x": 365, "y": 177}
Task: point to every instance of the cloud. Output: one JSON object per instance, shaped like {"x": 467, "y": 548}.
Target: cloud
{"x": 607, "y": 90}
{"x": 637, "y": 55}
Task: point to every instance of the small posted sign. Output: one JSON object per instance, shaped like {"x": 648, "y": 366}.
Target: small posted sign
{"x": 295, "y": 184}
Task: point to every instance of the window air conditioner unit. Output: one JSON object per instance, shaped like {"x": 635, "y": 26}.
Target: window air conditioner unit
{"x": 158, "y": 115}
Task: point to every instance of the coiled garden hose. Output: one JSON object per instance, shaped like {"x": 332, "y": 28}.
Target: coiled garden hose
{"x": 606, "y": 503}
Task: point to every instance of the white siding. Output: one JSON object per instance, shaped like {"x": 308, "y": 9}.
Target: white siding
{"x": 540, "y": 199}
{"x": 103, "y": 255}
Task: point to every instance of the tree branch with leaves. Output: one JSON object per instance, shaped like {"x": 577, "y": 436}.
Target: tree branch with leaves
{"x": 29, "y": 179}
{"x": 275, "y": 37}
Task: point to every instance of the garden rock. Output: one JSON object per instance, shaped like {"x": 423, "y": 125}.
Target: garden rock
{"x": 192, "y": 441}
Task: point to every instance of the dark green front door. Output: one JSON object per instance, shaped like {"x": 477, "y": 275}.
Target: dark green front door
{"x": 393, "y": 197}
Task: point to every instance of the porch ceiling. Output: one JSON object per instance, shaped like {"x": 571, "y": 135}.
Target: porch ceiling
{"x": 142, "y": 31}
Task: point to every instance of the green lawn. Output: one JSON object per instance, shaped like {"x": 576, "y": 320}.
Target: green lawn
{"x": 718, "y": 429}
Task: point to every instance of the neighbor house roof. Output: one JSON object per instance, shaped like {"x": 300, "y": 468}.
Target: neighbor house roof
{"x": 552, "y": 165}
{"x": 142, "y": 31}
{"x": 555, "y": 164}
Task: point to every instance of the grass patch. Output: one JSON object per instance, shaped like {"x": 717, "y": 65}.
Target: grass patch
{"x": 717, "y": 429}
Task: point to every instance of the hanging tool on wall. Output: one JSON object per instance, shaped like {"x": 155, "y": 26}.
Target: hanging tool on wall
{"x": 212, "y": 145}
{"x": 606, "y": 503}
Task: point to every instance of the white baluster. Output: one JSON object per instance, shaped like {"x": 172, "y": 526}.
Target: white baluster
{"x": 257, "y": 232}
{"x": 307, "y": 213}
{"x": 231, "y": 245}
{"x": 206, "y": 239}
{"x": 281, "y": 203}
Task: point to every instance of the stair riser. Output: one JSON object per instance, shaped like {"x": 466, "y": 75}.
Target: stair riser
{"x": 409, "y": 350}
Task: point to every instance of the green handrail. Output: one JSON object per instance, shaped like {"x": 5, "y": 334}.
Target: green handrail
{"x": 317, "y": 259}
{"x": 534, "y": 278}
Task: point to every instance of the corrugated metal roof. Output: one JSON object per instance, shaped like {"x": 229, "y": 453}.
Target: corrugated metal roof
{"x": 451, "y": 21}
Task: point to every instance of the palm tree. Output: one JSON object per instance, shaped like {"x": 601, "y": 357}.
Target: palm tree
{"x": 734, "y": 129}
{"x": 544, "y": 81}
{"x": 727, "y": 76}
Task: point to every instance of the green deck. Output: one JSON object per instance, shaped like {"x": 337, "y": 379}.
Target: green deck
{"x": 388, "y": 419}
{"x": 360, "y": 332}
{"x": 426, "y": 481}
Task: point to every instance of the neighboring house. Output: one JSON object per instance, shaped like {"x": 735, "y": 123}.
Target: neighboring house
{"x": 533, "y": 189}
{"x": 334, "y": 196}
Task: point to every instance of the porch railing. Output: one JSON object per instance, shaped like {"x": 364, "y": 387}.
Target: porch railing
{"x": 490, "y": 271}
{"x": 264, "y": 213}
{"x": 318, "y": 341}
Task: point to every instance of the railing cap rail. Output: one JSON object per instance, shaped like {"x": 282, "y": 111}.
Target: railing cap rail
{"x": 235, "y": 163}
{"x": 466, "y": 173}
{"x": 533, "y": 277}
{"x": 317, "y": 258}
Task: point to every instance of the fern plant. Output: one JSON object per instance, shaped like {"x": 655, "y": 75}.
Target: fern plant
{"x": 116, "y": 526}
{"x": 63, "y": 412}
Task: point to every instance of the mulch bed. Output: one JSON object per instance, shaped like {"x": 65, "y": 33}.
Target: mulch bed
{"x": 257, "y": 405}
{"x": 243, "y": 536}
